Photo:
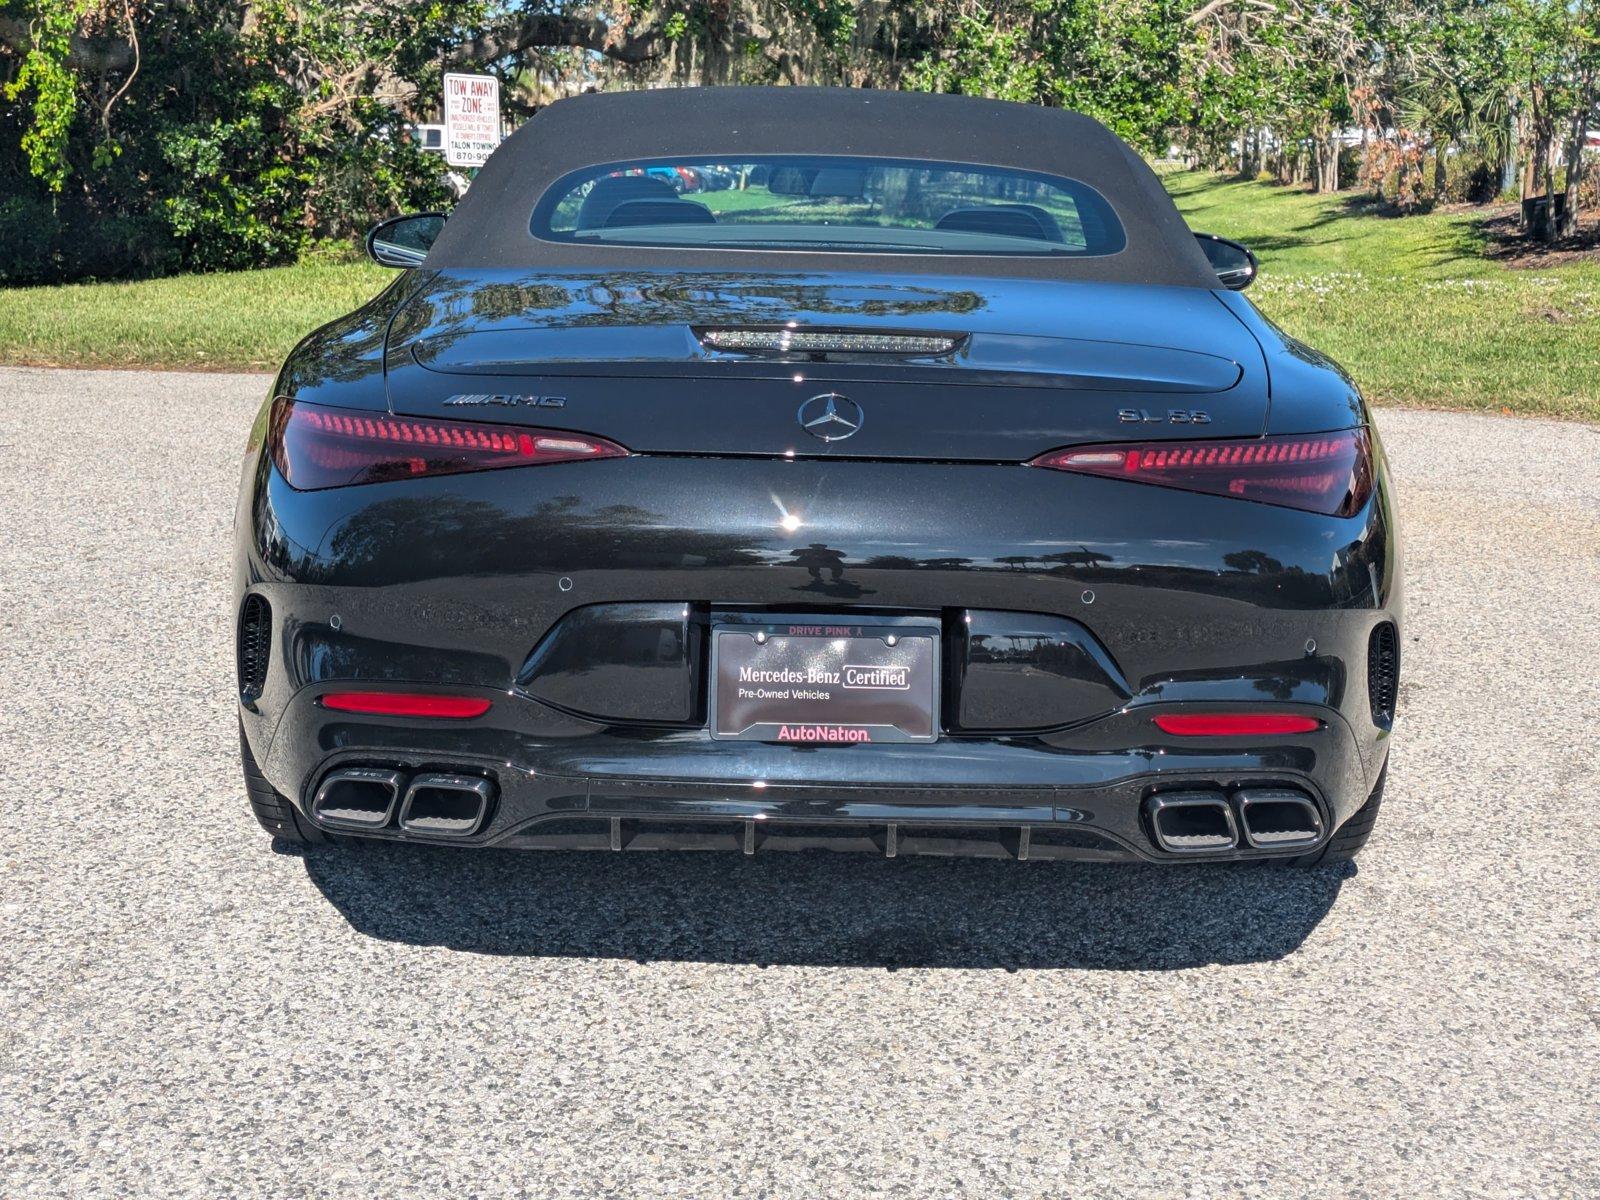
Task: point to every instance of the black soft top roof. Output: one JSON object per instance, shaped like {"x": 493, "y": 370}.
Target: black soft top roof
{"x": 490, "y": 227}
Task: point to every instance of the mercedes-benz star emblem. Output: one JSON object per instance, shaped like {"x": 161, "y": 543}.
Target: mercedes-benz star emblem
{"x": 830, "y": 416}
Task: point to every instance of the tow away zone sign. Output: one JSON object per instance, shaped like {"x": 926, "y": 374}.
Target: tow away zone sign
{"x": 471, "y": 119}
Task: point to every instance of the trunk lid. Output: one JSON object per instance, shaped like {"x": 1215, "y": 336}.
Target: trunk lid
{"x": 1008, "y": 369}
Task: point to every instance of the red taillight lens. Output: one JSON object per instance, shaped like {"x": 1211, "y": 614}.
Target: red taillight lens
{"x": 406, "y": 704}
{"x": 1233, "y": 724}
{"x": 319, "y": 447}
{"x": 1329, "y": 473}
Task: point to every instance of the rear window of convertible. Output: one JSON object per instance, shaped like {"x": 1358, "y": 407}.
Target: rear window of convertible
{"x": 828, "y": 205}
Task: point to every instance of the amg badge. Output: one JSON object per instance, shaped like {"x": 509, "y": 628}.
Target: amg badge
{"x": 506, "y": 401}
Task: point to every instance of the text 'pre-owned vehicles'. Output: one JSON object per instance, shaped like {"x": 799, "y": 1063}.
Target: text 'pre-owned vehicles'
{"x": 770, "y": 468}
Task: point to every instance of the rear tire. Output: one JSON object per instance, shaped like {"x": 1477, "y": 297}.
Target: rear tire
{"x": 1353, "y": 834}
{"x": 276, "y": 813}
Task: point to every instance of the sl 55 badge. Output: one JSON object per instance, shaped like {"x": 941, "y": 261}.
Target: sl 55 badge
{"x": 1173, "y": 416}
{"x": 476, "y": 400}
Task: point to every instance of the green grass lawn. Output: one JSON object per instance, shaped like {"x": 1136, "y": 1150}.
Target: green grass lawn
{"x": 1409, "y": 305}
{"x": 242, "y": 321}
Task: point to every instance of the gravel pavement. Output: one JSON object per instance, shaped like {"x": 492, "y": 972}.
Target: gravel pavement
{"x": 186, "y": 1010}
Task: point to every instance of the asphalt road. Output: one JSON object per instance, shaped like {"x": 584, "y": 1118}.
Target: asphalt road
{"x": 185, "y": 1010}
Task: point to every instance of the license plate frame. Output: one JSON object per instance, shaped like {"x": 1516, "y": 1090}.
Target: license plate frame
{"x": 887, "y": 690}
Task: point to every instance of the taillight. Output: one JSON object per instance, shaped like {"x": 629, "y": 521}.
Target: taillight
{"x": 1329, "y": 473}
{"x": 315, "y": 446}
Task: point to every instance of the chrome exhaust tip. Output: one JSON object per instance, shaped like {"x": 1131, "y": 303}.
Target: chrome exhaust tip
{"x": 1278, "y": 818}
{"x": 357, "y": 798}
{"x": 446, "y": 805}
{"x": 1193, "y": 822}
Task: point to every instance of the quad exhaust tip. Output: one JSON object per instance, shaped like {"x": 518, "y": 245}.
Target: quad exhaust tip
{"x": 446, "y": 805}
{"x": 357, "y": 798}
{"x": 1277, "y": 818}
{"x": 1193, "y": 822}
{"x": 1202, "y": 821}
{"x": 373, "y": 798}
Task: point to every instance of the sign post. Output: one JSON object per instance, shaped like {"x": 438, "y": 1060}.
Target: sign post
{"x": 471, "y": 119}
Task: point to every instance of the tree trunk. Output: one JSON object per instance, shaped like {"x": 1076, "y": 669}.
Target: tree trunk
{"x": 1539, "y": 137}
{"x": 1567, "y": 226}
{"x": 1326, "y": 150}
{"x": 1538, "y": 154}
{"x": 1508, "y": 168}
{"x": 1550, "y": 233}
{"x": 1540, "y": 165}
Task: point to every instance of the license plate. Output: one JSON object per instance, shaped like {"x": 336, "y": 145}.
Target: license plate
{"x": 825, "y": 682}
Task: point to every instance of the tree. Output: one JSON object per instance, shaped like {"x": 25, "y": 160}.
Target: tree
{"x": 1555, "y": 52}
{"x": 143, "y": 136}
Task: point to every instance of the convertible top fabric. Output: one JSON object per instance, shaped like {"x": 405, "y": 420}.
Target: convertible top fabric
{"x": 490, "y": 227}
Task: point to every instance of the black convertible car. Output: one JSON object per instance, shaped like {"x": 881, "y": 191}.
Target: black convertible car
{"x": 791, "y": 468}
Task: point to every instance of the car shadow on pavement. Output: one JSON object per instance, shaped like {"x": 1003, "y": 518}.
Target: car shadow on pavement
{"x": 821, "y": 909}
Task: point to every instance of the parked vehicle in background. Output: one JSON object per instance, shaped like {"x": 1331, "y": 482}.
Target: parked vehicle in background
{"x": 429, "y": 137}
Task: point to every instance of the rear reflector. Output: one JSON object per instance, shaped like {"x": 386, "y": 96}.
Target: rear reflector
{"x": 319, "y": 447}
{"x": 1329, "y": 473}
{"x": 406, "y": 704}
{"x": 1233, "y": 724}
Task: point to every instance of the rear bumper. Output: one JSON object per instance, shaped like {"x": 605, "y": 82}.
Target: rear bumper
{"x": 451, "y": 584}
{"x": 1080, "y": 795}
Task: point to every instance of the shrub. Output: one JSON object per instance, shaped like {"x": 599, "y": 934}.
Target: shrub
{"x": 28, "y": 229}
{"x": 1471, "y": 180}
{"x": 234, "y": 145}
